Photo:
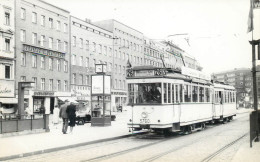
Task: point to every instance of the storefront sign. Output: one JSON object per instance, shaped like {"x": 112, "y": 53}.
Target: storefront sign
{"x": 44, "y": 93}
{"x": 6, "y": 88}
{"x": 119, "y": 93}
{"x": 42, "y": 51}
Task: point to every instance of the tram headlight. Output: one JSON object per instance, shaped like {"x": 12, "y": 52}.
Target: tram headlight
{"x": 144, "y": 115}
{"x": 130, "y": 120}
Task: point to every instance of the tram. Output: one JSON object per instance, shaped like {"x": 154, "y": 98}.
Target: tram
{"x": 163, "y": 99}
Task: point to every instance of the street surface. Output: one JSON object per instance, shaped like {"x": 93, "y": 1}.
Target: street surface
{"x": 210, "y": 144}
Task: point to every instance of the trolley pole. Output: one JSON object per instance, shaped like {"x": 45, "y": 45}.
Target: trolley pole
{"x": 254, "y": 43}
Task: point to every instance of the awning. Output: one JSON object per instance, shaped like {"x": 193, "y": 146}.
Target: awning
{"x": 9, "y": 100}
{"x": 70, "y": 99}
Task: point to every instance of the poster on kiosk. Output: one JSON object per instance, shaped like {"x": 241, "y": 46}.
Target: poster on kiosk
{"x": 100, "y": 98}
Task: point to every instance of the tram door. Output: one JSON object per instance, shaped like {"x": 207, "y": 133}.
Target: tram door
{"x": 221, "y": 97}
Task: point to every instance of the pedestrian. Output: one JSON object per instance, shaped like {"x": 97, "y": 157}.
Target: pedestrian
{"x": 71, "y": 110}
{"x": 56, "y": 112}
{"x": 63, "y": 114}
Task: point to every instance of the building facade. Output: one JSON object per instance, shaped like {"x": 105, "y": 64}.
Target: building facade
{"x": 127, "y": 45}
{"x": 241, "y": 79}
{"x": 42, "y": 52}
{"x": 7, "y": 64}
{"x": 90, "y": 45}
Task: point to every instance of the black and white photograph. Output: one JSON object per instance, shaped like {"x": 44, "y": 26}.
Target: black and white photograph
{"x": 130, "y": 80}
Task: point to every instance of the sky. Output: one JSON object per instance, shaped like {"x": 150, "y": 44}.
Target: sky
{"x": 216, "y": 29}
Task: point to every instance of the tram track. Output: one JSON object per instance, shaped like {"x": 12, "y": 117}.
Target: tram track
{"x": 153, "y": 158}
{"x": 214, "y": 154}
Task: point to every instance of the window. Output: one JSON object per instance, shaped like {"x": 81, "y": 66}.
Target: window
{"x": 7, "y": 44}
{"x": 50, "y": 43}
{"x": 42, "y": 40}
{"x": 81, "y": 43}
{"x": 94, "y": 47}
{"x": 58, "y": 65}
{"x": 115, "y": 54}
{"x": 51, "y": 84}
{"x": 23, "y": 13}
{"x": 34, "y": 17}
{"x": 42, "y": 62}
{"x": 80, "y": 60}
{"x": 34, "y": 79}
{"x": 87, "y": 80}
{"x": 143, "y": 93}
{"x": 65, "y": 85}
{"x": 58, "y": 85}
{"x": 58, "y": 45}
{"x": 73, "y": 60}
{"x": 195, "y": 93}
{"x": 42, "y": 83}
{"x": 115, "y": 84}
{"x": 7, "y": 18}
{"x": 50, "y": 63}
{"x": 65, "y": 46}
{"x": 73, "y": 78}
{"x": 74, "y": 41}
{"x": 23, "y": 59}
{"x": 22, "y": 35}
{"x": 42, "y": 20}
{"x": 100, "y": 49}
{"x": 50, "y": 22}
{"x": 187, "y": 93}
{"x": 65, "y": 66}
{"x": 80, "y": 79}
{"x": 65, "y": 28}
{"x": 34, "y": 61}
{"x": 7, "y": 72}
{"x": 87, "y": 62}
{"x": 201, "y": 94}
{"x": 23, "y": 78}
{"x": 58, "y": 25}
{"x": 87, "y": 45}
{"x": 34, "y": 38}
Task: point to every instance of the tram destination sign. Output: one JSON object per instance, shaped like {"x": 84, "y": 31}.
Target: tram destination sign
{"x": 144, "y": 73}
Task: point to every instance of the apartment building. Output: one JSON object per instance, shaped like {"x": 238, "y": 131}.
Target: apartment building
{"x": 7, "y": 64}
{"x": 128, "y": 45}
{"x": 42, "y": 52}
{"x": 90, "y": 45}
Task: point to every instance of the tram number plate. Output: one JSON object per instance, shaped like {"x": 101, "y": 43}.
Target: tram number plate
{"x": 144, "y": 120}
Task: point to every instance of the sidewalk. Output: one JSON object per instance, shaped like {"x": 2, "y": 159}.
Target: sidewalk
{"x": 245, "y": 153}
{"x": 24, "y": 145}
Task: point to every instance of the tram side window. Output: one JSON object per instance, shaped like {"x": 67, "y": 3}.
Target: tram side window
{"x": 201, "y": 94}
{"x": 226, "y": 96}
{"x": 187, "y": 94}
{"x": 181, "y": 93}
{"x": 195, "y": 93}
{"x": 207, "y": 94}
{"x": 169, "y": 92}
{"x": 164, "y": 93}
{"x": 173, "y": 94}
{"x": 177, "y": 100}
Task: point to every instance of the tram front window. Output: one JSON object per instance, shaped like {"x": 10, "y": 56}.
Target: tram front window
{"x": 143, "y": 93}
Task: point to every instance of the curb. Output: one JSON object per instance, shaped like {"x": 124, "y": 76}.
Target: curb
{"x": 66, "y": 147}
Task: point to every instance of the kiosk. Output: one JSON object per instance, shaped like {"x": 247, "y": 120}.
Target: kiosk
{"x": 100, "y": 97}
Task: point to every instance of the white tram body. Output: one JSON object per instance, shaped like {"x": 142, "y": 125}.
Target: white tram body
{"x": 162, "y": 99}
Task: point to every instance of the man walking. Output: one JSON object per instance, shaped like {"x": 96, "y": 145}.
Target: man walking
{"x": 63, "y": 114}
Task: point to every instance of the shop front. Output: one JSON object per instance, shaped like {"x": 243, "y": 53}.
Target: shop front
{"x": 118, "y": 99}
{"x": 8, "y": 102}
